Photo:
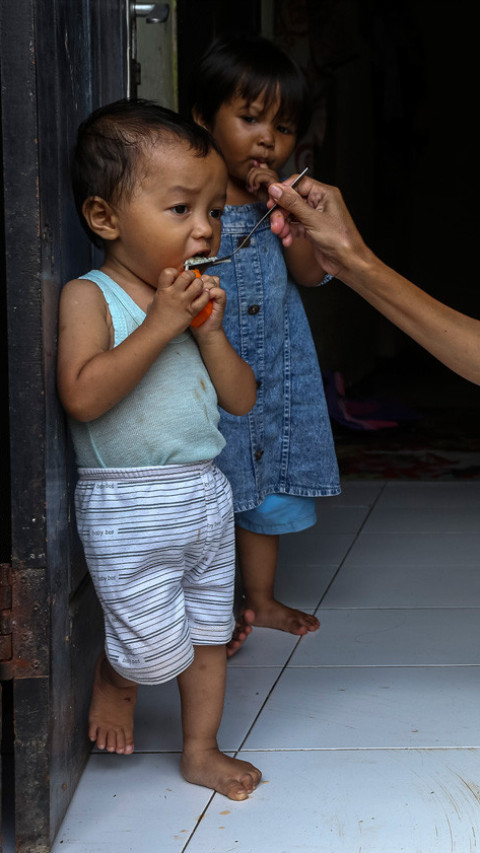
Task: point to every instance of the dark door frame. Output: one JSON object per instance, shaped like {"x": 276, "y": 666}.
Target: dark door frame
{"x": 57, "y": 62}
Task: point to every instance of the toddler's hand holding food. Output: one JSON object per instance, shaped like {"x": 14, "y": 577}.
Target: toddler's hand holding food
{"x": 212, "y": 315}
{"x": 175, "y": 301}
{"x": 190, "y": 265}
{"x": 204, "y": 312}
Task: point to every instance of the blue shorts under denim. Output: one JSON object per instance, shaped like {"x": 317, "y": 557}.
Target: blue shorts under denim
{"x": 279, "y": 514}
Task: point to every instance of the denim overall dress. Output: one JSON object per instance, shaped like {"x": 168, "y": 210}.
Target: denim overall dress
{"x": 284, "y": 445}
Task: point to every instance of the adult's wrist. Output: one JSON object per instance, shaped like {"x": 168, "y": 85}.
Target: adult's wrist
{"x": 359, "y": 267}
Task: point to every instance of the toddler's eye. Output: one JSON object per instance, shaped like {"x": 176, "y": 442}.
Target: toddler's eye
{"x": 282, "y": 128}
{"x": 249, "y": 119}
{"x": 216, "y": 213}
{"x": 180, "y": 209}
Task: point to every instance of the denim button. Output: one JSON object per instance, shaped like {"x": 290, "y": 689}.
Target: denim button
{"x": 253, "y": 309}
{"x": 259, "y": 383}
{"x": 240, "y": 242}
{"x": 258, "y": 455}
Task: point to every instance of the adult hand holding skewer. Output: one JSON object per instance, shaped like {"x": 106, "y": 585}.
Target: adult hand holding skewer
{"x": 317, "y": 211}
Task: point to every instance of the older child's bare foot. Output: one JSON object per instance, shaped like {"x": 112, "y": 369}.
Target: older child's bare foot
{"x": 243, "y": 627}
{"x": 111, "y": 709}
{"x": 229, "y": 776}
{"x": 273, "y": 614}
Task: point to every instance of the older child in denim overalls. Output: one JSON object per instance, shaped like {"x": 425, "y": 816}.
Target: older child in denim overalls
{"x": 280, "y": 456}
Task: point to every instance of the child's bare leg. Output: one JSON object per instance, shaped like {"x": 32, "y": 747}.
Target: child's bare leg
{"x": 111, "y": 709}
{"x": 202, "y": 691}
{"x": 257, "y": 554}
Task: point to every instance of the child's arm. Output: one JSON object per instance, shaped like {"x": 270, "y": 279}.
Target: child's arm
{"x": 302, "y": 264}
{"x": 92, "y": 375}
{"x": 232, "y": 377}
{"x": 299, "y": 257}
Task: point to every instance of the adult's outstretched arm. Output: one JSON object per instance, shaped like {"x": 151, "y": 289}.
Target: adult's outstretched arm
{"x": 318, "y": 212}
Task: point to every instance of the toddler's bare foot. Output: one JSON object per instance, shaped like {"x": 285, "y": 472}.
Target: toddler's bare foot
{"x": 229, "y": 776}
{"x": 111, "y": 709}
{"x": 243, "y": 627}
{"x": 273, "y": 614}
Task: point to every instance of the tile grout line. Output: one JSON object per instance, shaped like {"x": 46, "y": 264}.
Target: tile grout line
{"x": 354, "y": 540}
{"x": 285, "y": 665}
{"x": 239, "y": 748}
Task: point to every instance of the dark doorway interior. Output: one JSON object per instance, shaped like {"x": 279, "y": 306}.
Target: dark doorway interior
{"x": 395, "y": 91}
{"x": 401, "y": 142}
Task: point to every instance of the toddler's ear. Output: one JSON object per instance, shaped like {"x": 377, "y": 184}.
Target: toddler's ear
{"x": 100, "y": 217}
{"x": 199, "y": 119}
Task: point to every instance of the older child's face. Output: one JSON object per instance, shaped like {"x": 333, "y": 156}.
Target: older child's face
{"x": 175, "y": 212}
{"x": 249, "y": 134}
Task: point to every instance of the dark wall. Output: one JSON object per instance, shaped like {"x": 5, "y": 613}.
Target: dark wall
{"x": 5, "y": 526}
{"x": 418, "y": 100}
{"x": 395, "y": 89}
{"x": 397, "y": 82}
{"x": 199, "y": 21}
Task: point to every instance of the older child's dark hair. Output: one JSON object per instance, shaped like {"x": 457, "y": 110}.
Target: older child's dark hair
{"x": 112, "y": 141}
{"x": 249, "y": 66}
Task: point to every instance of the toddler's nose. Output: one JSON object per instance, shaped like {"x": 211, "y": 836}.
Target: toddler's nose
{"x": 267, "y": 137}
{"x": 202, "y": 227}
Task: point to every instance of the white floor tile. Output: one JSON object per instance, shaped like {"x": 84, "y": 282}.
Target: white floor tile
{"x": 402, "y": 637}
{"x": 302, "y": 585}
{"x": 137, "y": 803}
{"x": 264, "y": 647}
{"x": 333, "y": 518}
{"x": 366, "y": 731}
{"x": 157, "y": 718}
{"x": 404, "y": 584}
{"x": 313, "y": 548}
{"x": 421, "y": 494}
{"x": 393, "y": 519}
{"x": 357, "y": 493}
{"x": 371, "y": 707}
{"x": 423, "y": 549}
{"x": 351, "y": 802}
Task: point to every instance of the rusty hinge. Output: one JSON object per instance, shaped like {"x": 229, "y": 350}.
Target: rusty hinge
{"x": 6, "y": 648}
{"x": 24, "y": 623}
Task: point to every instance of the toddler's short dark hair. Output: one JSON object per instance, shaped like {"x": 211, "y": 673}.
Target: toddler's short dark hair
{"x": 249, "y": 66}
{"x": 112, "y": 141}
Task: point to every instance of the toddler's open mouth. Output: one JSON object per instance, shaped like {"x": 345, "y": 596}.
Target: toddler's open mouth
{"x": 197, "y": 260}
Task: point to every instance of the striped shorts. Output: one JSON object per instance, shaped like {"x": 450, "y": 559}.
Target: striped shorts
{"x": 159, "y": 545}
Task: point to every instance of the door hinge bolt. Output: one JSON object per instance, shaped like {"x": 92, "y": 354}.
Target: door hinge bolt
{"x": 6, "y": 650}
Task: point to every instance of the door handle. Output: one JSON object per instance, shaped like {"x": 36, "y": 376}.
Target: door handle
{"x": 155, "y": 13}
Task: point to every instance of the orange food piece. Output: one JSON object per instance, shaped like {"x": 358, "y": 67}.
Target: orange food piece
{"x": 204, "y": 314}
